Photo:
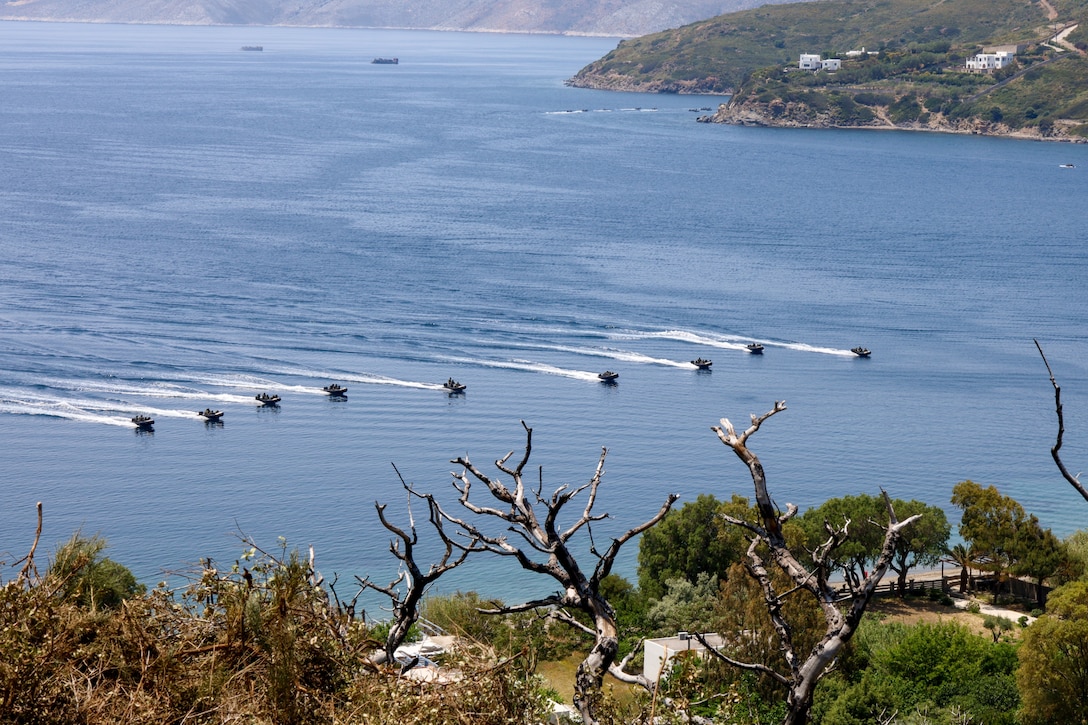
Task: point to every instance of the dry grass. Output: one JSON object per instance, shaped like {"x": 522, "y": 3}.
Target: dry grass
{"x": 915, "y": 611}
{"x": 261, "y": 642}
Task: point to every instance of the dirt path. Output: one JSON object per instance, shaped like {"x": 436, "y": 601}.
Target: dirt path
{"x": 1059, "y": 39}
{"x": 1051, "y": 13}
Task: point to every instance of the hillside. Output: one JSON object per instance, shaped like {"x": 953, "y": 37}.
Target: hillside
{"x": 1042, "y": 95}
{"x": 581, "y": 17}
{"x": 718, "y": 55}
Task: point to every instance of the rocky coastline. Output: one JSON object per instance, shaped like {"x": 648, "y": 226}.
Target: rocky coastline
{"x": 780, "y": 114}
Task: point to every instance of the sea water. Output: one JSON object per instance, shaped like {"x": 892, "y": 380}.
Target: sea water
{"x": 185, "y": 225}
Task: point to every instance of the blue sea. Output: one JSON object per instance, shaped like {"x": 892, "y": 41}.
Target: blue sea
{"x": 184, "y": 225}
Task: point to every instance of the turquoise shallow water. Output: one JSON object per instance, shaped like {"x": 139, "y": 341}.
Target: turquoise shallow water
{"x": 186, "y": 225}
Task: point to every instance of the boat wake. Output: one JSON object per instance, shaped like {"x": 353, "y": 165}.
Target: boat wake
{"x": 530, "y": 366}
{"x": 728, "y": 342}
{"x": 60, "y": 410}
{"x": 347, "y": 377}
{"x": 151, "y": 390}
{"x": 624, "y": 356}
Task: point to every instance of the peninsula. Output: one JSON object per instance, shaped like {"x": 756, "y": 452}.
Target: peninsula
{"x": 1000, "y": 67}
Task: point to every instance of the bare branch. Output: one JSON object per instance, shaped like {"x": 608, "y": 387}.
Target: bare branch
{"x": 29, "y": 567}
{"x": 805, "y": 672}
{"x": 753, "y": 666}
{"x": 414, "y": 580}
{"x": 1074, "y": 481}
{"x": 580, "y": 590}
{"x": 548, "y": 602}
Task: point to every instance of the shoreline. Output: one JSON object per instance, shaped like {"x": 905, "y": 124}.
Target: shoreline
{"x": 736, "y": 116}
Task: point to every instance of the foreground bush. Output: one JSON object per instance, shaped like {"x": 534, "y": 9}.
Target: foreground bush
{"x": 263, "y": 642}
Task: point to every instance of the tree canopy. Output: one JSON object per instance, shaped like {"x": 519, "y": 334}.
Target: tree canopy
{"x": 690, "y": 541}
{"x": 922, "y": 545}
{"x": 1053, "y": 674}
{"x": 1006, "y": 538}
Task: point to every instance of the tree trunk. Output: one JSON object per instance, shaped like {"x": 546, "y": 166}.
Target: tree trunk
{"x": 591, "y": 671}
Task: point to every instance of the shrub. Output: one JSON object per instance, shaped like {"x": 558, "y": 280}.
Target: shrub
{"x": 88, "y": 579}
{"x": 261, "y": 642}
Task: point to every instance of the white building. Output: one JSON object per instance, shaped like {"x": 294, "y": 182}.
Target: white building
{"x": 989, "y": 62}
{"x": 659, "y": 651}
{"x": 813, "y": 62}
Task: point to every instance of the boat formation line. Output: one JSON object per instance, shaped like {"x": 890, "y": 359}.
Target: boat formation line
{"x": 451, "y": 386}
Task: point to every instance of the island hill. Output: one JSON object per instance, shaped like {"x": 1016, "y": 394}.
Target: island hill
{"x": 899, "y": 64}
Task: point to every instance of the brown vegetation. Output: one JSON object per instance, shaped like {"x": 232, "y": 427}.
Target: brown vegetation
{"x": 261, "y": 642}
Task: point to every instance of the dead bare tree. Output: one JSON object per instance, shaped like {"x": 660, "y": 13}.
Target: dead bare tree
{"x": 1074, "y": 481}
{"x": 842, "y": 614}
{"x": 546, "y": 548}
{"x": 407, "y": 590}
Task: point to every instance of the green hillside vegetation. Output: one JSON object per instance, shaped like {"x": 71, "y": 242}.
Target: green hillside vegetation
{"x": 719, "y": 55}
{"x": 1043, "y": 94}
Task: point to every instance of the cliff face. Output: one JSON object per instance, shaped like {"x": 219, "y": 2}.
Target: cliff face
{"x": 580, "y": 17}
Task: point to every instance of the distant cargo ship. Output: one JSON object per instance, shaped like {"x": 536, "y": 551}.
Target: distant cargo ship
{"x": 386, "y": 61}
{"x": 252, "y": 47}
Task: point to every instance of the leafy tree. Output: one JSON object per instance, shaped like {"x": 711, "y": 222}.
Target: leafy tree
{"x": 990, "y": 524}
{"x": 855, "y": 555}
{"x": 90, "y": 579}
{"x": 685, "y": 606}
{"x": 1076, "y": 546}
{"x": 1011, "y": 540}
{"x": 1053, "y": 674}
{"x": 997, "y": 626}
{"x": 963, "y": 557}
{"x": 1041, "y": 555}
{"x": 930, "y": 670}
{"x": 923, "y": 543}
{"x": 690, "y": 541}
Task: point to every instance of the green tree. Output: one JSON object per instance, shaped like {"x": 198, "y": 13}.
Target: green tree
{"x": 1041, "y": 555}
{"x": 1053, "y": 673}
{"x": 964, "y": 557}
{"x": 923, "y": 543}
{"x": 926, "y": 669}
{"x": 1076, "y": 545}
{"x": 990, "y": 524}
{"x": 89, "y": 579}
{"x": 855, "y": 555}
{"x": 690, "y": 541}
{"x": 685, "y": 606}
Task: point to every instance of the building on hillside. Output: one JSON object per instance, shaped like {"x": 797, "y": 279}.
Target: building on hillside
{"x": 813, "y": 62}
{"x": 659, "y": 651}
{"x": 989, "y": 62}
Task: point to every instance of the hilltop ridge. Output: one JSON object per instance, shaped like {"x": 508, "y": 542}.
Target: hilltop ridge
{"x": 717, "y": 55}
{"x": 574, "y": 17}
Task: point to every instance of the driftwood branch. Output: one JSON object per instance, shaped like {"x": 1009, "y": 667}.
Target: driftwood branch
{"x": 1074, "y": 481}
